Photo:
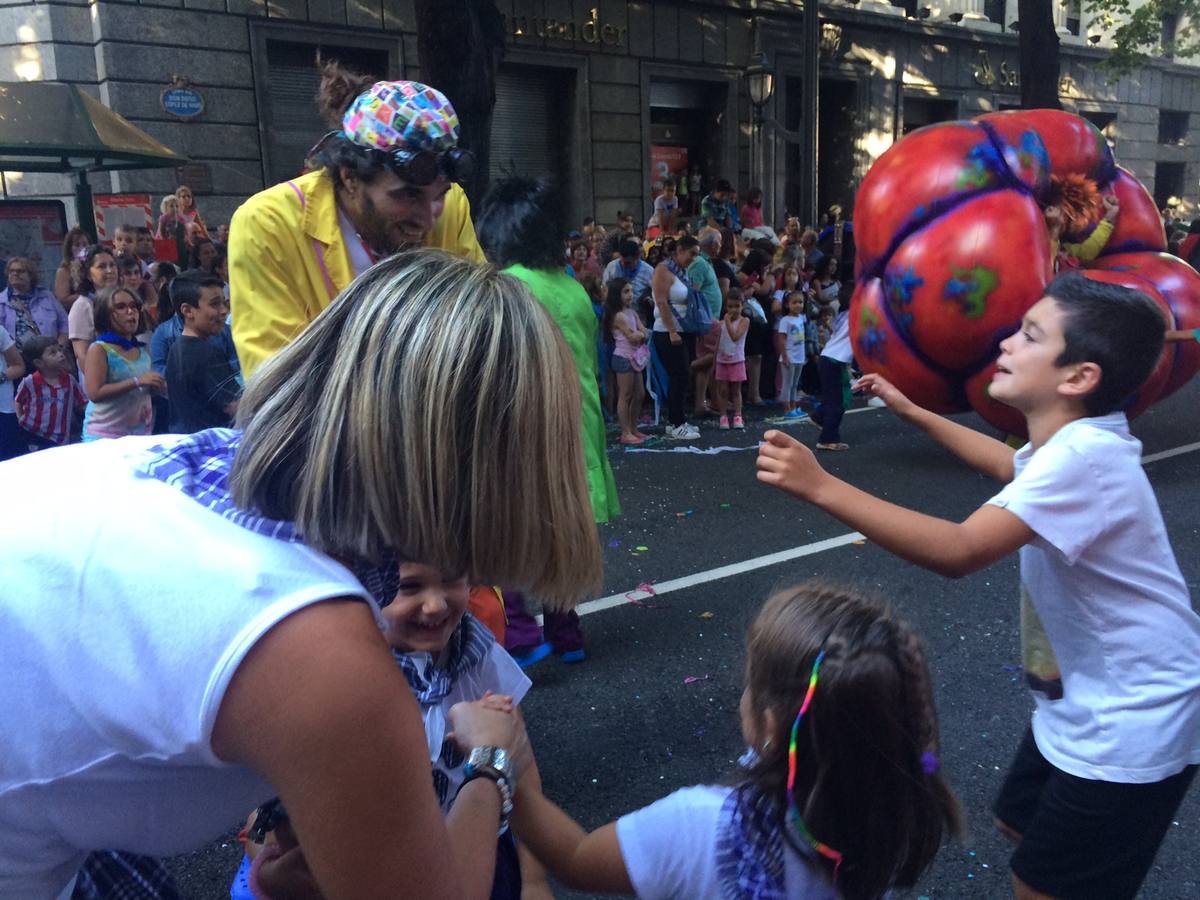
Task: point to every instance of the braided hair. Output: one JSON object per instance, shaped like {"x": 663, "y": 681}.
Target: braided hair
{"x": 867, "y": 780}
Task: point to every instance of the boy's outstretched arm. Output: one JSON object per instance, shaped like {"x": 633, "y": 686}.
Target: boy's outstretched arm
{"x": 979, "y": 451}
{"x": 581, "y": 861}
{"x": 950, "y": 549}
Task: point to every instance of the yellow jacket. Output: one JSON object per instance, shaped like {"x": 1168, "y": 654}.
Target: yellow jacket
{"x": 287, "y": 260}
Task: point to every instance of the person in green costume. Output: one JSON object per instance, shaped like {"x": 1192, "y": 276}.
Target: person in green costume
{"x": 521, "y": 230}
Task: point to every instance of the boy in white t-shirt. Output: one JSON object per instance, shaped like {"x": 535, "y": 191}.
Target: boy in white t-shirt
{"x": 1111, "y": 643}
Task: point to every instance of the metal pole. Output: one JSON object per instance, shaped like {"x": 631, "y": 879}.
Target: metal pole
{"x": 808, "y": 116}
{"x": 84, "y": 209}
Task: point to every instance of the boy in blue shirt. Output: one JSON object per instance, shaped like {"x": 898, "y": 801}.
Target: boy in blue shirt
{"x": 1110, "y": 641}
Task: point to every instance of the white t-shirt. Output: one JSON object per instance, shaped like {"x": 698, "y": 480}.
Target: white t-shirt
{"x": 356, "y": 250}
{"x": 838, "y": 347}
{"x": 6, "y": 386}
{"x": 670, "y": 850}
{"x": 792, "y": 327}
{"x": 662, "y": 210}
{"x": 119, "y": 634}
{"x": 1118, "y": 624}
{"x": 497, "y": 672}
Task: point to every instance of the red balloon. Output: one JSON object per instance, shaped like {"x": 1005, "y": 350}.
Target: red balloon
{"x": 952, "y": 249}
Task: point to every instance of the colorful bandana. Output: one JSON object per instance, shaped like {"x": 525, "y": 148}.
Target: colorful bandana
{"x": 404, "y": 114}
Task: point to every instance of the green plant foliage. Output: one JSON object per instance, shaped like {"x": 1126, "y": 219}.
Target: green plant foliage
{"x": 1137, "y": 30}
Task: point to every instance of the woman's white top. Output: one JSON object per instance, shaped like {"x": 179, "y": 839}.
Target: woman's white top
{"x": 120, "y": 629}
{"x": 677, "y": 296}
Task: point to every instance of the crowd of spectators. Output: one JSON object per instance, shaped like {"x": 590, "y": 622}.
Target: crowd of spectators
{"x": 121, "y": 343}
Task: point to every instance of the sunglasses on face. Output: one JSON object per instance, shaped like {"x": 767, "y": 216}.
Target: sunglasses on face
{"x": 122, "y": 306}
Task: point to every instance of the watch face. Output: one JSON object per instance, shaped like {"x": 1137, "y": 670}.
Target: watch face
{"x": 495, "y": 758}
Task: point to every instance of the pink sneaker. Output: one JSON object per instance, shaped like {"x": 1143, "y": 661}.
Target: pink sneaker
{"x": 724, "y": 423}
{"x": 738, "y": 423}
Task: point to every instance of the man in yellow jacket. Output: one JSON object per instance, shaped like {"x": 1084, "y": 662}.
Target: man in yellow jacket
{"x": 385, "y": 180}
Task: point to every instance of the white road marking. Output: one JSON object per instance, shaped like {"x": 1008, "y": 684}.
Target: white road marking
{"x": 1167, "y": 454}
{"x": 771, "y": 559}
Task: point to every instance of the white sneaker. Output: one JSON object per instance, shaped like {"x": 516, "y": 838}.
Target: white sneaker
{"x": 682, "y": 432}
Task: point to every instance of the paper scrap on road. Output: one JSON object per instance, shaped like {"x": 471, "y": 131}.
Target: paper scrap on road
{"x": 692, "y": 679}
{"x": 698, "y": 451}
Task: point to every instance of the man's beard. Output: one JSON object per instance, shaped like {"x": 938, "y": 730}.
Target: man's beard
{"x": 379, "y": 235}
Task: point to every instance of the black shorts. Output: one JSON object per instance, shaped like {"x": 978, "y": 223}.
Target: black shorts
{"x": 1082, "y": 838}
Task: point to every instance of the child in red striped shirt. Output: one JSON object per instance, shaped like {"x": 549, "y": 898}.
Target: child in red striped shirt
{"x": 49, "y": 401}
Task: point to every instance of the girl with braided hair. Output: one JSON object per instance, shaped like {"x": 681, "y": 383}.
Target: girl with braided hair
{"x": 839, "y": 796}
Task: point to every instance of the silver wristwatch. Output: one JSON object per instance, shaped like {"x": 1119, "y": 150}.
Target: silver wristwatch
{"x": 493, "y": 763}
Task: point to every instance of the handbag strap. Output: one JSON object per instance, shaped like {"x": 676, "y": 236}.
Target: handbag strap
{"x": 679, "y": 273}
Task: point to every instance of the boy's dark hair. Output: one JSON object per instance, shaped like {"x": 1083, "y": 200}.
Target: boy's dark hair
{"x": 629, "y": 248}
{"x": 127, "y": 229}
{"x": 1119, "y": 329}
{"x": 687, "y": 242}
{"x": 32, "y": 350}
{"x": 523, "y": 223}
{"x": 127, "y": 263}
{"x": 186, "y": 287}
{"x": 867, "y": 777}
{"x": 142, "y": 231}
{"x": 722, "y": 187}
{"x": 102, "y": 308}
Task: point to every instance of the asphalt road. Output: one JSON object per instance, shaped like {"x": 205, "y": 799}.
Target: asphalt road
{"x": 632, "y": 723}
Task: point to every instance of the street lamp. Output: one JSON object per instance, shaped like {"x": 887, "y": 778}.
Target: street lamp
{"x": 760, "y": 81}
{"x": 760, "y": 84}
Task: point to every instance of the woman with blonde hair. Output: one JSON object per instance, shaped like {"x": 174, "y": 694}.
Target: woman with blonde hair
{"x": 430, "y": 413}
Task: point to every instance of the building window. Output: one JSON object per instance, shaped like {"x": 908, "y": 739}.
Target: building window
{"x": 1107, "y": 123}
{"x": 1172, "y": 127}
{"x": 922, "y": 111}
{"x": 287, "y": 74}
{"x": 1074, "y": 15}
{"x": 1168, "y": 182}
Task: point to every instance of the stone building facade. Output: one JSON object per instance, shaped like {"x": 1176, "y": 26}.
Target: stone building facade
{"x": 601, "y": 93}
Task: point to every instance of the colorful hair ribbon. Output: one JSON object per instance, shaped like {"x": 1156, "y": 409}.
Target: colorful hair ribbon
{"x": 823, "y": 849}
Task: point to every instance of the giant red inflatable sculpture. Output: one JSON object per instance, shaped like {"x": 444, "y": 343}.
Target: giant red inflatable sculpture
{"x": 952, "y": 249}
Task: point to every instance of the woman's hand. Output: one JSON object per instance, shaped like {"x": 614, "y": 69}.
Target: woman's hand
{"x": 676, "y": 338}
{"x": 785, "y": 463}
{"x": 878, "y": 386}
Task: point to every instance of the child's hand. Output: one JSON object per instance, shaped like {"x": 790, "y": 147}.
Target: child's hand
{"x": 878, "y": 386}
{"x": 285, "y": 872}
{"x": 1112, "y": 206}
{"x": 152, "y": 381}
{"x": 498, "y": 702}
{"x": 785, "y": 463}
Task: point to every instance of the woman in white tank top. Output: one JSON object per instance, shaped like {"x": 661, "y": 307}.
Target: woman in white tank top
{"x": 235, "y": 652}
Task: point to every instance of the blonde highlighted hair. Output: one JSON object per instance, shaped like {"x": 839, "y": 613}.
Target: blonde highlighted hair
{"x": 432, "y": 410}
